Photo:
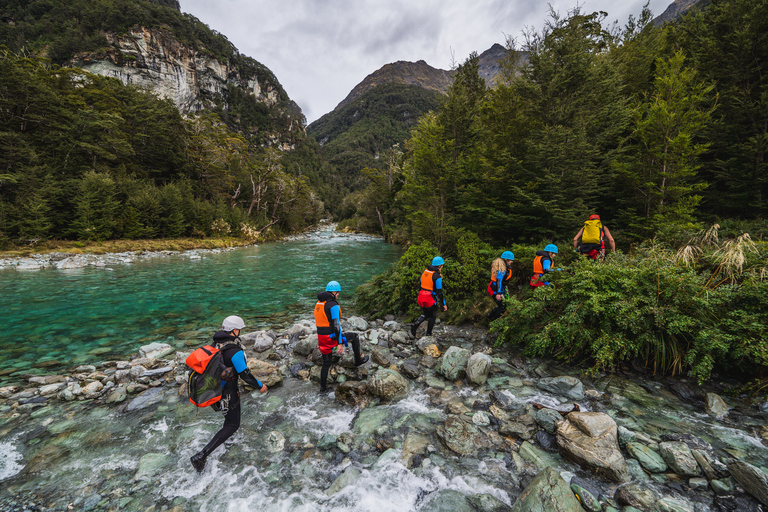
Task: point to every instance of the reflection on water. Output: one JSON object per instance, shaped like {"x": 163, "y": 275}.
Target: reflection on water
{"x": 57, "y": 318}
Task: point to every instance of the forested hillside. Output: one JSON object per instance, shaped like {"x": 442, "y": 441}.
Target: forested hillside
{"x": 85, "y": 157}
{"x": 360, "y": 135}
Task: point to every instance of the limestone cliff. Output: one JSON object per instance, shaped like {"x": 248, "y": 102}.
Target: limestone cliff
{"x": 152, "y": 58}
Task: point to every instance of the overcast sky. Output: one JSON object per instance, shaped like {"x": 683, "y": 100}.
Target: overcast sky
{"x": 321, "y": 49}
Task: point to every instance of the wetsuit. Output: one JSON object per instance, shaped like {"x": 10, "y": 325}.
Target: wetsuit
{"x": 329, "y": 335}
{"x": 542, "y": 264}
{"x": 232, "y": 357}
{"x": 430, "y": 298}
{"x": 498, "y": 286}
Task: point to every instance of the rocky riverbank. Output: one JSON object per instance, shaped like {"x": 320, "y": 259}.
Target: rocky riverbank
{"x": 562, "y": 442}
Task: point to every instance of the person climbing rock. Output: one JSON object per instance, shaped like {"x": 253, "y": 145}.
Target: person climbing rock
{"x": 542, "y": 264}
{"x": 501, "y": 272}
{"x": 430, "y": 297}
{"x": 590, "y": 240}
{"x": 227, "y": 340}
{"x": 330, "y": 339}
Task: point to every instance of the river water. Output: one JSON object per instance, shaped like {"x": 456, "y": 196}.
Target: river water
{"x": 53, "y": 319}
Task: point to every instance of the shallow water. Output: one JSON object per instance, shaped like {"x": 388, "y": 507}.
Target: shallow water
{"x": 53, "y": 319}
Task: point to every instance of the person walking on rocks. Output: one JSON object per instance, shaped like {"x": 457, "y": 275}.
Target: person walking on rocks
{"x": 430, "y": 297}
{"x": 227, "y": 340}
{"x": 330, "y": 339}
{"x": 501, "y": 273}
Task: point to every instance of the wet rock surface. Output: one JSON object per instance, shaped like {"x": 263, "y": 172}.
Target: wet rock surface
{"x": 445, "y": 422}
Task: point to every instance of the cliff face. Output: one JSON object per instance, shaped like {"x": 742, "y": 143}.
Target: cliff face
{"x": 154, "y": 59}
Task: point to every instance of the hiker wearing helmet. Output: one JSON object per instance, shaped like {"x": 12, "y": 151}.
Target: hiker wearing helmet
{"x": 430, "y": 297}
{"x": 542, "y": 264}
{"x": 227, "y": 340}
{"x": 590, "y": 240}
{"x": 501, "y": 272}
{"x": 330, "y": 339}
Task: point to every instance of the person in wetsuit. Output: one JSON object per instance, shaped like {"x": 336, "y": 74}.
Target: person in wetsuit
{"x": 330, "y": 339}
{"x": 227, "y": 340}
{"x": 430, "y": 297}
{"x": 501, "y": 273}
{"x": 542, "y": 265}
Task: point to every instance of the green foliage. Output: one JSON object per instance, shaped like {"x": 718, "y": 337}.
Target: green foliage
{"x": 395, "y": 290}
{"x": 89, "y": 158}
{"x": 650, "y": 306}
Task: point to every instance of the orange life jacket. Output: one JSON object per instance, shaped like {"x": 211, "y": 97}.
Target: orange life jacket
{"x": 323, "y": 316}
{"x": 538, "y": 266}
{"x": 428, "y": 278}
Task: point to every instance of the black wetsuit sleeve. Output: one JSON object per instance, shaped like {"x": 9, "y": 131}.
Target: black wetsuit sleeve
{"x": 249, "y": 379}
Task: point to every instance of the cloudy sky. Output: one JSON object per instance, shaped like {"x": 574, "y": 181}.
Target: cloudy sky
{"x": 320, "y": 49}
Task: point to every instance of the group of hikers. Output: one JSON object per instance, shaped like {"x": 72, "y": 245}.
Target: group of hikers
{"x": 589, "y": 241}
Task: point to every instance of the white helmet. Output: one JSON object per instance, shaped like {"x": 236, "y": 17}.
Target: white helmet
{"x": 232, "y": 322}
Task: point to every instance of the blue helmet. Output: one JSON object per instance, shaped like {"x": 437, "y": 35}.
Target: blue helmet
{"x": 507, "y": 255}
{"x": 333, "y": 286}
{"x": 551, "y": 248}
{"x": 437, "y": 260}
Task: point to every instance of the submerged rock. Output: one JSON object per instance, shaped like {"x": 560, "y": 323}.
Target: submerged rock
{"x": 547, "y": 492}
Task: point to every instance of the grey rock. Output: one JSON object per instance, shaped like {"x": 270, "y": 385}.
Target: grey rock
{"x": 425, "y": 341}
{"x": 388, "y": 385}
{"x": 522, "y": 427}
{"x": 670, "y": 504}
{"x": 52, "y": 389}
{"x": 145, "y": 399}
{"x": 156, "y": 350}
{"x": 262, "y": 340}
{"x": 391, "y": 326}
{"x": 355, "y": 323}
{"x": 636, "y": 495}
{"x": 478, "y": 367}
{"x": 460, "y": 436}
{"x": 751, "y": 478}
{"x": 157, "y": 371}
{"x": 547, "y": 418}
{"x": 448, "y": 500}
{"x": 305, "y": 346}
{"x": 348, "y": 477}
{"x": 590, "y": 439}
{"x": 679, "y": 458}
{"x": 565, "y": 386}
{"x": 547, "y": 492}
{"x": 453, "y": 364}
{"x": 648, "y": 458}
{"x": 117, "y": 396}
{"x": 716, "y": 406}
{"x": 410, "y": 369}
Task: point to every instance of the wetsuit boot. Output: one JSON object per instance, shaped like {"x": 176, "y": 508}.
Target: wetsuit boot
{"x": 416, "y": 323}
{"x": 355, "y": 340}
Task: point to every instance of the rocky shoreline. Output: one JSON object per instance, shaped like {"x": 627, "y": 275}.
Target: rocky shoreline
{"x": 584, "y": 422}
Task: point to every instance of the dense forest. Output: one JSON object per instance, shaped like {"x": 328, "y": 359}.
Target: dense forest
{"x": 88, "y": 158}
{"x": 662, "y": 131}
{"x": 85, "y": 157}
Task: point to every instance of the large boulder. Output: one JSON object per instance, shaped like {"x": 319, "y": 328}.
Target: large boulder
{"x": 547, "y": 492}
{"x": 638, "y": 495}
{"x": 590, "y": 439}
{"x": 262, "y": 340}
{"x": 305, "y": 346}
{"x": 570, "y": 387}
{"x": 388, "y": 385}
{"x": 267, "y": 373}
{"x": 716, "y": 406}
{"x": 478, "y": 367}
{"x": 752, "y": 479}
{"x": 453, "y": 364}
{"x": 355, "y": 323}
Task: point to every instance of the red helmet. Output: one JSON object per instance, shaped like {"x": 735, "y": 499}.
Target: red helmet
{"x": 594, "y": 216}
